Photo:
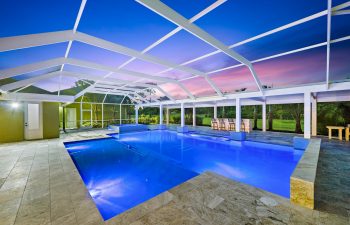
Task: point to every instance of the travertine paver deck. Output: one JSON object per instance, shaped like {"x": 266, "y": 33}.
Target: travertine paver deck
{"x": 39, "y": 184}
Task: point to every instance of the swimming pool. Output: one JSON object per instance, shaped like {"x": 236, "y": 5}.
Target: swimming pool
{"x": 128, "y": 169}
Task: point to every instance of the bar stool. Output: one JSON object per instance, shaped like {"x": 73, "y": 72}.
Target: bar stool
{"x": 222, "y": 124}
{"x": 231, "y": 124}
{"x": 214, "y": 124}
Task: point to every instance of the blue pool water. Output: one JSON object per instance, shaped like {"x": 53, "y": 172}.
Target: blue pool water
{"x": 123, "y": 171}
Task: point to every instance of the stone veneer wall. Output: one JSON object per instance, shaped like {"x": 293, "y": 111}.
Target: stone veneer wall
{"x": 302, "y": 181}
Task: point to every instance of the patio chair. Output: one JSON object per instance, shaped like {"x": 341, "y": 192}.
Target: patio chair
{"x": 231, "y": 124}
{"x": 214, "y": 124}
{"x": 222, "y": 124}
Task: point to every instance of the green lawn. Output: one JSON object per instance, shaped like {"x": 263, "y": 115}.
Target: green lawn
{"x": 282, "y": 125}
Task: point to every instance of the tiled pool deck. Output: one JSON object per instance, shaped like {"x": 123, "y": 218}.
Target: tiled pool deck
{"x": 39, "y": 184}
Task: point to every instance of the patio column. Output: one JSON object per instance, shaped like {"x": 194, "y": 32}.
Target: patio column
{"x": 307, "y": 115}
{"x": 102, "y": 115}
{"x": 264, "y": 116}
{"x": 160, "y": 114}
{"x": 81, "y": 113}
{"x": 238, "y": 115}
{"x": 215, "y": 112}
{"x": 136, "y": 115}
{"x": 182, "y": 115}
{"x": 120, "y": 113}
{"x": 314, "y": 116}
{"x": 194, "y": 116}
{"x": 167, "y": 116}
{"x": 91, "y": 119}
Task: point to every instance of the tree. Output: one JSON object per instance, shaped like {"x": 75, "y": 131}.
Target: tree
{"x": 255, "y": 117}
{"x": 270, "y": 118}
{"x": 296, "y": 111}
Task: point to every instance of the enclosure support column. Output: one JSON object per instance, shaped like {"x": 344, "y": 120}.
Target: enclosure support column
{"x": 91, "y": 115}
{"x": 136, "y": 115}
{"x": 102, "y": 117}
{"x": 161, "y": 114}
{"x": 194, "y": 116}
{"x": 264, "y": 116}
{"x": 81, "y": 114}
{"x": 215, "y": 112}
{"x": 238, "y": 115}
{"x": 120, "y": 113}
{"x": 182, "y": 115}
{"x": 167, "y": 116}
{"x": 307, "y": 115}
{"x": 314, "y": 115}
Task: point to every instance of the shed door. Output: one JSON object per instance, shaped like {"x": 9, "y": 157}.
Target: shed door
{"x": 33, "y": 128}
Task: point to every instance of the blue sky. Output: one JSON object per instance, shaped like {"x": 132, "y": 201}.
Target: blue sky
{"x": 131, "y": 24}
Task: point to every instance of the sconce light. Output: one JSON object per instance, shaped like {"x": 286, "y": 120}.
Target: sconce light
{"x": 14, "y": 105}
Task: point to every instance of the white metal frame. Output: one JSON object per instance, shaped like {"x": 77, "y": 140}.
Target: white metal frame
{"x": 32, "y": 40}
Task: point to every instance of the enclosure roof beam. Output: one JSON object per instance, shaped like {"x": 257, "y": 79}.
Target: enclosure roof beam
{"x": 34, "y": 40}
{"x": 75, "y": 27}
{"x": 341, "y": 12}
{"x": 92, "y": 65}
{"x": 319, "y": 88}
{"x": 26, "y": 82}
{"x": 329, "y": 17}
{"x": 101, "y": 43}
{"x": 85, "y": 38}
{"x": 87, "y": 64}
{"x": 176, "y": 30}
{"x": 123, "y": 94}
{"x": 111, "y": 80}
{"x": 171, "y": 15}
{"x": 277, "y": 55}
{"x": 11, "y": 72}
{"x": 114, "y": 92}
{"x": 36, "y": 97}
{"x": 267, "y": 33}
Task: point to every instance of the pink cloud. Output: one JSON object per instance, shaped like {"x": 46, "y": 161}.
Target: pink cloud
{"x": 174, "y": 90}
{"x": 295, "y": 69}
{"x": 199, "y": 87}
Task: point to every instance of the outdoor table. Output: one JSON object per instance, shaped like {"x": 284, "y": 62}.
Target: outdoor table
{"x": 340, "y": 131}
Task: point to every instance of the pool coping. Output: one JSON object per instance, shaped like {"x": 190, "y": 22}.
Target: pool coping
{"x": 302, "y": 181}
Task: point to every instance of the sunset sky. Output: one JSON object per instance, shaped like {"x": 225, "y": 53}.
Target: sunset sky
{"x": 130, "y": 24}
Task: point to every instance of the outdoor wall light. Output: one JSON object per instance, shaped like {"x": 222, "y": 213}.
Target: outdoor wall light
{"x": 14, "y": 105}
